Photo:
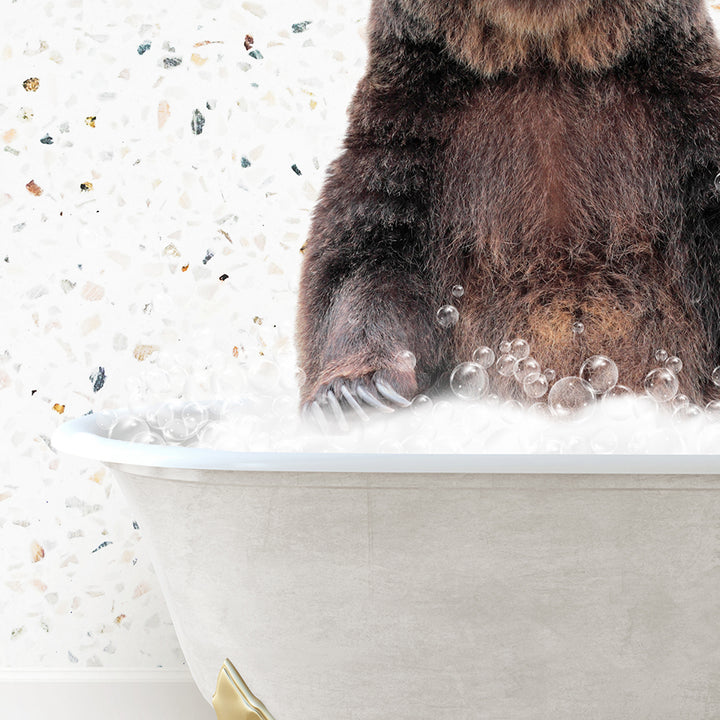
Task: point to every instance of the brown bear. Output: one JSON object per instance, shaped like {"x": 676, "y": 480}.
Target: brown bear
{"x": 556, "y": 158}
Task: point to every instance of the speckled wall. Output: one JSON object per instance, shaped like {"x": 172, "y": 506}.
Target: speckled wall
{"x": 158, "y": 166}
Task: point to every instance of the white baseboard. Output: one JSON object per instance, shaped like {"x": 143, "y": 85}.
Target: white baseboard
{"x": 92, "y": 693}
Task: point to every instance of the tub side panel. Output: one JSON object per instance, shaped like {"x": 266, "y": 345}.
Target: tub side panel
{"x": 475, "y": 602}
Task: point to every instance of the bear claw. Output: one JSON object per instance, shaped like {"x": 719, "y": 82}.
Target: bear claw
{"x": 331, "y": 404}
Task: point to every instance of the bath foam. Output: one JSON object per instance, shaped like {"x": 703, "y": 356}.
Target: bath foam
{"x": 251, "y": 404}
{"x": 622, "y": 426}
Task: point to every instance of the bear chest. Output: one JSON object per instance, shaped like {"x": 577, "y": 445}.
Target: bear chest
{"x": 544, "y": 160}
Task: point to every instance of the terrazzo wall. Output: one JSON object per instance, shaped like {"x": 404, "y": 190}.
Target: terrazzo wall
{"x": 158, "y": 167}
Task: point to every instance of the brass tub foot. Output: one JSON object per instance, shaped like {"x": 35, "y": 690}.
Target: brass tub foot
{"x": 233, "y": 700}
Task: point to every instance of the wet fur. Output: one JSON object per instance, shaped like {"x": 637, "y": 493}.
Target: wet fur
{"x": 555, "y": 158}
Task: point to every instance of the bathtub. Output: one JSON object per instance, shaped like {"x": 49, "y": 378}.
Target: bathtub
{"x": 417, "y": 587}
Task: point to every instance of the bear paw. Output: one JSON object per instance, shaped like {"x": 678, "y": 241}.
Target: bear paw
{"x": 341, "y": 398}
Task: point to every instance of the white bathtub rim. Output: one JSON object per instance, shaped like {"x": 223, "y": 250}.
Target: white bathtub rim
{"x": 79, "y": 437}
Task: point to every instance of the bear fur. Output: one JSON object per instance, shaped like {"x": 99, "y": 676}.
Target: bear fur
{"x": 557, "y": 159}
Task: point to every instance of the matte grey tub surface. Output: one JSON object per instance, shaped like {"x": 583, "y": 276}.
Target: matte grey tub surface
{"x": 415, "y": 587}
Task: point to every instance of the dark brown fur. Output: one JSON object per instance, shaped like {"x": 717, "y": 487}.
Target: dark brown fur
{"x": 556, "y": 159}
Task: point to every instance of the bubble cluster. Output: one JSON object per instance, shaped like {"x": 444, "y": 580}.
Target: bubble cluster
{"x": 172, "y": 405}
{"x": 596, "y": 382}
{"x": 527, "y": 369}
{"x": 175, "y": 422}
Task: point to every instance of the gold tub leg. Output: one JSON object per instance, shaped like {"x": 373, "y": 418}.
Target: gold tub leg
{"x": 233, "y": 700}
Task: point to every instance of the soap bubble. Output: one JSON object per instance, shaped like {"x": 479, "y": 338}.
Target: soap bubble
{"x": 539, "y": 409}
{"x": 617, "y": 392}
{"x": 263, "y": 375}
{"x": 283, "y": 406}
{"x": 679, "y": 401}
{"x": 569, "y": 396}
{"x": 600, "y": 372}
{"x": 162, "y": 415}
{"x": 469, "y": 381}
{"x": 550, "y": 374}
{"x": 441, "y": 407}
{"x": 421, "y": 403}
{"x": 712, "y": 410}
{"x": 128, "y": 427}
{"x": 157, "y": 381}
{"x": 519, "y": 348}
{"x": 661, "y": 355}
{"x": 716, "y": 376}
{"x": 447, "y": 316}
{"x": 178, "y": 431}
{"x": 458, "y": 291}
{"x": 137, "y": 403}
{"x": 578, "y": 328}
{"x": 510, "y": 411}
{"x": 717, "y": 182}
{"x": 688, "y": 412}
{"x": 645, "y": 406}
{"x": 661, "y": 384}
{"x": 616, "y": 402}
{"x": 177, "y": 374}
{"x": 674, "y": 364}
{"x": 148, "y": 438}
{"x": 484, "y": 356}
{"x": 527, "y": 369}
{"x": 505, "y": 347}
{"x": 194, "y": 415}
{"x": 536, "y": 387}
{"x": 217, "y": 436}
{"x": 106, "y": 419}
{"x": 506, "y": 365}
{"x": 405, "y": 360}
{"x": 135, "y": 385}
{"x": 227, "y": 410}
